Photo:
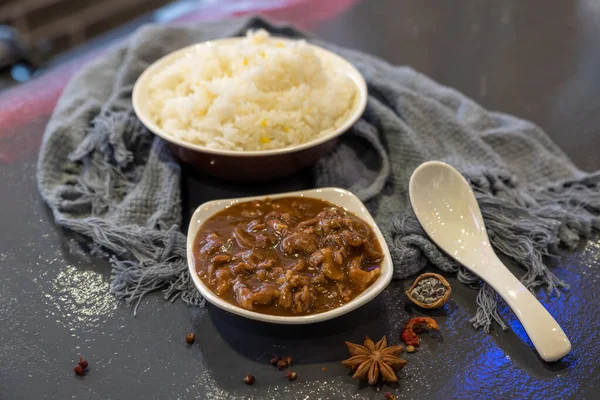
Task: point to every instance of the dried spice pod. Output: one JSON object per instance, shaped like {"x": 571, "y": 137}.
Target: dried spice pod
{"x": 374, "y": 360}
{"x": 427, "y": 293}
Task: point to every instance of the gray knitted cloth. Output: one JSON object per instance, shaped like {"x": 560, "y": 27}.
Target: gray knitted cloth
{"x": 105, "y": 176}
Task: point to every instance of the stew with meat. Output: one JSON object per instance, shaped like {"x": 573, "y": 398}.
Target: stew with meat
{"x": 289, "y": 256}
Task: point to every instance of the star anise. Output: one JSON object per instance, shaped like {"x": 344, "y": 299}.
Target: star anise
{"x": 374, "y": 359}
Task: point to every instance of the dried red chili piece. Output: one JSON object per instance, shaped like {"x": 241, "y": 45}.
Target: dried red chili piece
{"x": 249, "y": 380}
{"x": 416, "y": 325}
{"x": 190, "y": 338}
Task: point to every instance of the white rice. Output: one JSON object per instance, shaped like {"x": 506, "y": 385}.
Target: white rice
{"x": 257, "y": 94}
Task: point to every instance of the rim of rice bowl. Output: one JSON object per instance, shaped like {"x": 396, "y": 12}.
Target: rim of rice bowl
{"x": 143, "y": 83}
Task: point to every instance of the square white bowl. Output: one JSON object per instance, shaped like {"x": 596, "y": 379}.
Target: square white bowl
{"x": 339, "y": 197}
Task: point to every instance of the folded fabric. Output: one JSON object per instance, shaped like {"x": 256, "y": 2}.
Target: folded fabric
{"x": 107, "y": 177}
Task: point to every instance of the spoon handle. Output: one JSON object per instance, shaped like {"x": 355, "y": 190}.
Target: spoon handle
{"x": 547, "y": 336}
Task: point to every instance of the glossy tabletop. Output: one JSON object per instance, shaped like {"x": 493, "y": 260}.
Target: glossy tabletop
{"x": 537, "y": 59}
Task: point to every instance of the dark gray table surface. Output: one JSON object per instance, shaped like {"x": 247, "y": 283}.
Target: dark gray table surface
{"x": 538, "y": 60}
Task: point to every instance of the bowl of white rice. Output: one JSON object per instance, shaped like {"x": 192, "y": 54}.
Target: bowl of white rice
{"x": 251, "y": 108}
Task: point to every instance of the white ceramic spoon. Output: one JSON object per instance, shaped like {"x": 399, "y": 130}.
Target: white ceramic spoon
{"x": 448, "y": 211}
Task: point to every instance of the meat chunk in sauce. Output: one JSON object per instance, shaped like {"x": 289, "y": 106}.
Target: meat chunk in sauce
{"x": 299, "y": 242}
{"x": 330, "y": 267}
{"x": 279, "y": 227}
{"x": 300, "y": 265}
{"x": 248, "y": 298}
{"x": 224, "y": 278}
{"x": 286, "y": 298}
{"x": 221, "y": 259}
{"x": 256, "y": 226}
{"x": 371, "y": 252}
{"x": 253, "y": 257}
{"x": 290, "y": 256}
{"x": 361, "y": 278}
{"x": 242, "y": 296}
{"x": 244, "y": 239}
{"x": 212, "y": 244}
{"x": 243, "y": 268}
{"x": 352, "y": 239}
{"x": 265, "y": 295}
{"x": 267, "y": 264}
{"x": 295, "y": 279}
{"x": 303, "y": 300}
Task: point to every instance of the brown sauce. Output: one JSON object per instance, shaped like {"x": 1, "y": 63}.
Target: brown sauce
{"x": 289, "y": 256}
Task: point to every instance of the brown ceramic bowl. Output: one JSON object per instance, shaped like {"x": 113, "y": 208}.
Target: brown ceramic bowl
{"x": 250, "y": 165}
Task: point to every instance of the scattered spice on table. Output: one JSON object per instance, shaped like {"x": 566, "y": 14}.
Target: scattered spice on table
{"x": 79, "y": 371}
{"x": 190, "y": 338}
{"x": 416, "y": 325}
{"x": 84, "y": 364}
{"x": 323, "y": 369}
{"x": 389, "y": 396}
{"x": 429, "y": 290}
{"x": 291, "y": 375}
{"x": 81, "y": 368}
{"x": 373, "y": 360}
{"x": 410, "y": 348}
{"x": 281, "y": 364}
{"x": 274, "y": 360}
{"x": 249, "y": 380}
{"x": 284, "y": 362}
